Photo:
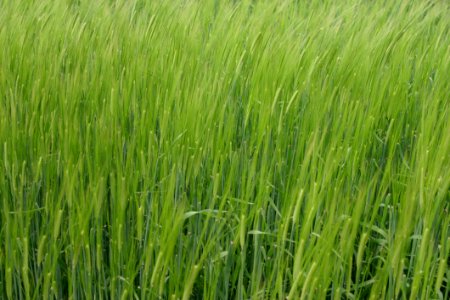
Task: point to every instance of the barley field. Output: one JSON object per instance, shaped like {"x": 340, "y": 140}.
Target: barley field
{"x": 219, "y": 149}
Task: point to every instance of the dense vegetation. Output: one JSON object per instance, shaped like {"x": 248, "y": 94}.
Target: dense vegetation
{"x": 224, "y": 149}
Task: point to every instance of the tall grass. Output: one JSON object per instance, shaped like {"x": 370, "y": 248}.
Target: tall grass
{"x": 224, "y": 149}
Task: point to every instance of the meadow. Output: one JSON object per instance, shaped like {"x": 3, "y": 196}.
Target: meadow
{"x": 227, "y": 149}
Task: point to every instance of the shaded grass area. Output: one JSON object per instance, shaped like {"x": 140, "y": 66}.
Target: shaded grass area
{"x": 224, "y": 149}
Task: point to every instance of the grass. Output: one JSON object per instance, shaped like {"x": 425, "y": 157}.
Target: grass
{"x": 224, "y": 149}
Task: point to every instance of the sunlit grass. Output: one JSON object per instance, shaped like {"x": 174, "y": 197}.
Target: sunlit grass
{"x": 224, "y": 149}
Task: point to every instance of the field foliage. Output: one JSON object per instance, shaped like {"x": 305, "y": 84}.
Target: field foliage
{"x": 224, "y": 149}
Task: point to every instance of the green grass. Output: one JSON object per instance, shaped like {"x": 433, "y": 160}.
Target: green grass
{"x": 224, "y": 149}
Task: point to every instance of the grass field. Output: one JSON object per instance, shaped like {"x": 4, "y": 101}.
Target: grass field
{"x": 224, "y": 149}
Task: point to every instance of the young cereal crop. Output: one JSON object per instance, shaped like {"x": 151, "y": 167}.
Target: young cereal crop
{"x": 209, "y": 149}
